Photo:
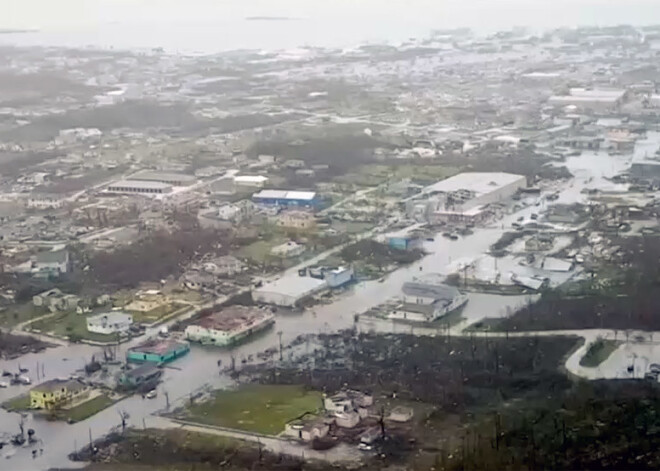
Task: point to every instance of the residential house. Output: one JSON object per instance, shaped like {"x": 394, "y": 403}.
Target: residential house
{"x": 109, "y": 323}
{"x": 539, "y": 242}
{"x": 54, "y": 262}
{"x": 143, "y": 374}
{"x": 296, "y": 219}
{"x": 401, "y": 414}
{"x": 55, "y": 300}
{"x": 226, "y": 265}
{"x": 56, "y": 392}
{"x": 307, "y": 429}
{"x": 288, "y": 250}
{"x": 348, "y": 419}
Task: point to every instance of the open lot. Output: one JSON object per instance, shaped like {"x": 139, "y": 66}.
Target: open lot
{"x": 256, "y": 408}
{"x": 71, "y": 325}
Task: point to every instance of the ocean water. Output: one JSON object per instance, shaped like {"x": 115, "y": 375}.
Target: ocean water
{"x": 209, "y": 26}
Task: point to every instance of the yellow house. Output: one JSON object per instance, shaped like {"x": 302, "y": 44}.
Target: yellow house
{"x": 54, "y": 393}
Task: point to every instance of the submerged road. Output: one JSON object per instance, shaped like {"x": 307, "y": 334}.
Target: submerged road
{"x": 199, "y": 368}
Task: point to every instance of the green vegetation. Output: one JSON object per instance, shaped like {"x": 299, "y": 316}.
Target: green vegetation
{"x": 86, "y": 409}
{"x": 256, "y": 408}
{"x": 21, "y": 313}
{"x": 159, "y": 313}
{"x": 259, "y": 252}
{"x": 18, "y": 403}
{"x": 69, "y": 324}
{"x": 598, "y": 352}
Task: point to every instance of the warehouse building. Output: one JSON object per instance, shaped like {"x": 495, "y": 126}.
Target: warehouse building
{"x": 174, "y": 179}
{"x": 140, "y": 186}
{"x": 590, "y": 99}
{"x": 289, "y": 290}
{"x": 250, "y": 181}
{"x": 286, "y": 198}
{"x": 464, "y": 198}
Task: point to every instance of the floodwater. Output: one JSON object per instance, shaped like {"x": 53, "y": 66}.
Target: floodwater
{"x": 199, "y": 368}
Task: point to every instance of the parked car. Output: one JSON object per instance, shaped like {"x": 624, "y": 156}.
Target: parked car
{"x": 4, "y": 384}
{"x": 151, "y": 394}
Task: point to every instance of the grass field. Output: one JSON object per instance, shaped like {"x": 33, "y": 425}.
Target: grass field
{"x": 69, "y": 324}
{"x": 20, "y": 313}
{"x": 598, "y": 352}
{"x": 21, "y": 402}
{"x": 86, "y": 409}
{"x": 375, "y": 174}
{"x": 256, "y": 408}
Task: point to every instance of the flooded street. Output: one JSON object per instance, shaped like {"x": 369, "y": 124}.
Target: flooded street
{"x": 199, "y": 368}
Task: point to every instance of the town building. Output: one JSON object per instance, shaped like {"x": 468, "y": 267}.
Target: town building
{"x": 143, "y": 374}
{"x": 56, "y": 393}
{"x": 426, "y": 300}
{"x": 296, "y": 219}
{"x": 226, "y": 265}
{"x": 335, "y": 277}
{"x": 157, "y": 351}
{"x": 307, "y": 429}
{"x": 52, "y": 263}
{"x": 109, "y": 323}
{"x": 289, "y": 290}
{"x": 407, "y": 243}
{"x": 227, "y": 214}
{"x": 174, "y": 179}
{"x": 288, "y": 249}
{"x": 286, "y": 198}
{"x": 464, "y": 198}
{"x": 140, "y": 187}
{"x": 44, "y": 202}
{"x": 401, "y": 414}
{"x": 250, "y": 181}
{"x": 229, "y": 326}
{"x": 590, "y": 99}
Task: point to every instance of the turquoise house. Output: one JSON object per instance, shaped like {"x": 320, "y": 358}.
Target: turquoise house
{"x": 158, "y": 351}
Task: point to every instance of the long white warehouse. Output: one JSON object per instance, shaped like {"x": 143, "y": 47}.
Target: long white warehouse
{"x": 288, "y": 290}
{"x": 462, "y": 198}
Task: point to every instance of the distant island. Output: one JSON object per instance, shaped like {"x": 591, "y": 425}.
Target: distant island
{"x": 269, "y": 18}
{"x": 15, "y": 31}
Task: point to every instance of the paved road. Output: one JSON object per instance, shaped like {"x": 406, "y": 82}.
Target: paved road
{"x": 339, "y": 454}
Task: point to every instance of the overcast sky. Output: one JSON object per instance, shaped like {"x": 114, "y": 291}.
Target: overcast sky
{"x": 69, "y": 14}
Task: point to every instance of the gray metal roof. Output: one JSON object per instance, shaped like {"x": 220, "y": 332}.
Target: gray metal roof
{"x": 435, "y": 291}
{"x": 53, "y": 256}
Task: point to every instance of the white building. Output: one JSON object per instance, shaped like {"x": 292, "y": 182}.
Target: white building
{"x": 52, "y": 262}
{"x": 250, "y": 181}
{"x": 464, "y": 197}
{"x": 288, "y": 249}
{"x": 590, "y": 99}
{"x": 426, "y": 300}
{"x": 288, "y": 290}
{"x": 109, "y": 323}
{"x": 229, "y": 326}
{"x": 44, "y": 202}
{"x": 140, "y": 187}
{"x": 175, "y": 179}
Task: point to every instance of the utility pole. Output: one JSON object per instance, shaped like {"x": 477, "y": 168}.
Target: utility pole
{"x": 91, "y": 443}
{"x": 279, "y": 334}
{"x": 167, "y": 400}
